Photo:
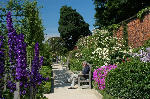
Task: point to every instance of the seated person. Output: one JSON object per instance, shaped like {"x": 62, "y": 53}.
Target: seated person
{"x": 74, "y": 77}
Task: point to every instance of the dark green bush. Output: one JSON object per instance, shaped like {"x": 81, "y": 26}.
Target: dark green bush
{"x": 103, "y": 92}
{"x": 130, "y": 80}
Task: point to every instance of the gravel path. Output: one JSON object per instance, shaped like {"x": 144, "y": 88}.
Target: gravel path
{"x": 61, "y": 90}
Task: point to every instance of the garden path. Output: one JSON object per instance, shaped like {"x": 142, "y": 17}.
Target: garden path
{"x": 61, "y": 90}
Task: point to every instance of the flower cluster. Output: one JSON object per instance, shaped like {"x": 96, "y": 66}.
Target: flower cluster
{"x": 102, "y": 53}
{"x": 11, "y": 85}
{"x": 12, "y": 39}
{"x": 18, "y": 60}
{"x": 144, "y": 56}
{"x": 100, "y": 74}
{"x": 17, "y": 54}
{"x": 2, "y": 60}
{"x": 21, "y": 72}
{"x": 36, "y": 77}
{"x": 9, "y": 23}
{"x": 102, "y": 48}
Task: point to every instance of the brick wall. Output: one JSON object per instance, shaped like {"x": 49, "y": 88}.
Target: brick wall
{"x": 138, "y": 31}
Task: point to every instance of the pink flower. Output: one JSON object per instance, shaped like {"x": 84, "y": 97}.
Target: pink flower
{"x": 99, "y": 75}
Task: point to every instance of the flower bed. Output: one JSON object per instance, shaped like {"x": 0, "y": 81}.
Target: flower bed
{"x": 100, "y": 74}
{"x": 17, "y": 78}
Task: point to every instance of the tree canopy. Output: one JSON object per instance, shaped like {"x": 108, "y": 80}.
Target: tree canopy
{"x": 56, "y": 45}
{"x": 26, "y": 19}
{"x": 32, "y": 23}
{"x": 114, "y": 11}
{"x": 72, "y": 26}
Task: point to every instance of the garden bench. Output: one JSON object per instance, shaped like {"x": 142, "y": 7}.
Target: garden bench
{"x": 80, "y": 80}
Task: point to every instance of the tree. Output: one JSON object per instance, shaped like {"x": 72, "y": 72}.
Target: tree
{"x": 26, "y": 20}
{"x": 114, "y": 11}
{"x": 57, "y": 45}
{"x": 72, "y": 26}
{"x": 32, "y": 23}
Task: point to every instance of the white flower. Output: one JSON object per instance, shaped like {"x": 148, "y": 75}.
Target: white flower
{"x": 130, "y": 50}
{"x": 124, "y": 51}
{"x": 106, "y": 63}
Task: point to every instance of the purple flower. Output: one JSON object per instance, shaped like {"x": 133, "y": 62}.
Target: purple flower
{"x": 41, "y": 61}
{"x": 99, "y": 75}
{"x": 12, "y": 39}
{"x": 23, "y": 92}
{"x": 144, "y": 56}
{"x": 21, "y": 71}
{"x": 2, "y": 57}
{"x": 36, "y": 77}
{"x": 17, "y": 54}
{"x": 11, "y": 86}
{"x": 9, "y": 23}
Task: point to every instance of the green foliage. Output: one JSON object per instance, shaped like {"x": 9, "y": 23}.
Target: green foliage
{"x": 16, "y": 8}
{"x": 125, "y": 34}
{"x": 45, "y": 71}
{"x": 103, "y": 92}
{"x": 72, "y": 26}
{"x": 47, "y": 54}
{"x": 99, "y": 49}
{"x": 26, "y": 20}
{"x": 113, "y": 27}
{"x": 7, "y": 93}
{"x": 57, "y": 45}
{"x": 45, "y": 87}
{"x": 75, "y": 65}
{"x": 32, "y": 23}
{"x": 142, "y": 12}
{"x": 129, "y": 80}
{"x": 110, "y": 12}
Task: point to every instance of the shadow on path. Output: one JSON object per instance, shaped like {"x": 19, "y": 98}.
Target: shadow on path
{"x": 60, "y": 76}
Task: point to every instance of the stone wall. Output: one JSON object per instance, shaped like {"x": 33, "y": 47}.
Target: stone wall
{"x": 138, "y": 31}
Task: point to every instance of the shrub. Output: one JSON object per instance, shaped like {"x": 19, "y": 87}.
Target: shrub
{"x": 129, "y": 80}
{"x": 46, "y": 85}
{"x": 75, "y": 65}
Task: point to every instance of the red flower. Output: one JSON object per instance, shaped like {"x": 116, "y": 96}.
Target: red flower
{"x": 123, "y": 60}
{"x": 75, "y": 47}
{"x": 127, "y": 59}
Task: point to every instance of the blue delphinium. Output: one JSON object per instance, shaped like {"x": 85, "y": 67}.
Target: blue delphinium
{"x": 17, "y": 57}
{"x": 11, "y": 85}
{"x": 12, "y": 39}
{"x": 12, "y": 44}
{"x": 2, "y": 58}
{"x": 21, "y": 66}
{"x": 21, "y": 72}
{"x": 36, "y": 77}
{"x": 9, "y": 23}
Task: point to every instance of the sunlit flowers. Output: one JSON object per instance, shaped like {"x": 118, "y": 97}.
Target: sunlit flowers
{"x": 100, "y": 74}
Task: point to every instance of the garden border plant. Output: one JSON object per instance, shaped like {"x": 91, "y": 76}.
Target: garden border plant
{"x": 128, "y": 80}
{"x": 20, "y": 77}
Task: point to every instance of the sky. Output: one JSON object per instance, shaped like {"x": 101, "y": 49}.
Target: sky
{"x": 50, "y": 13}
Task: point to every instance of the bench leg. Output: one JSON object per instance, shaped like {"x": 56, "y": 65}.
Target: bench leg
{"x": 90, "y": 85}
